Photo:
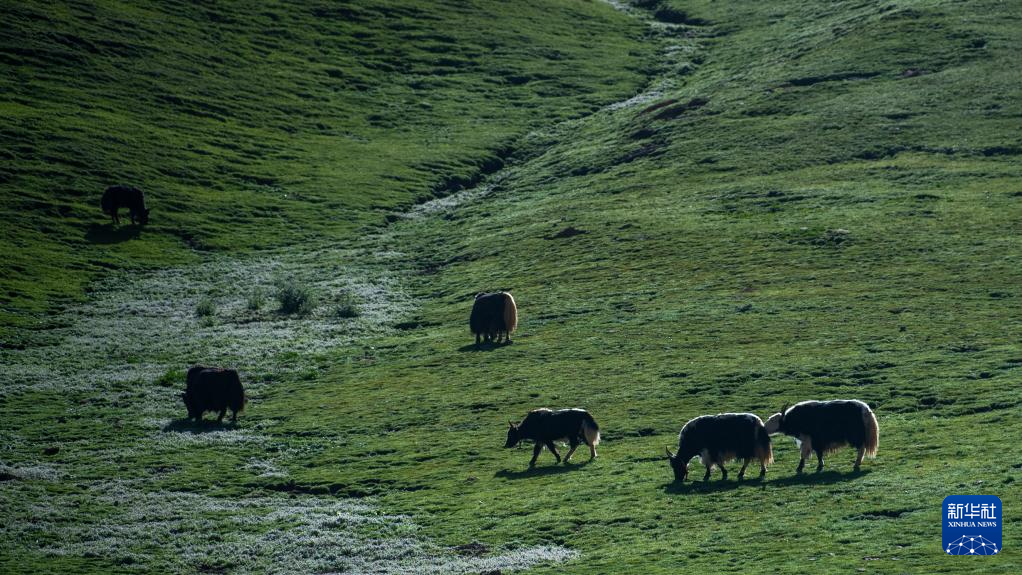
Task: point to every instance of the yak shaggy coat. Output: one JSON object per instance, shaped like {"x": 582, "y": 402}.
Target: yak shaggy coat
{"x": 718, "y": 439}
{"x": 825, "y": 426}
{"x": 213, "y": 389}
{"x": 545, "y": 426}
{"x": 493, "y": 315}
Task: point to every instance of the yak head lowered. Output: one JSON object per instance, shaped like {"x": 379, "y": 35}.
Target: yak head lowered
{"x": 774, "y": 423}
{"x": 191, "y": 405}
{"x": 513, "y": 435}
{"x": 678, "y": 465}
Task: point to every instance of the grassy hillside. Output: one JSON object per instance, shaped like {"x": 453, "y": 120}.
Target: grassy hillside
{"x": 804, "y": 201}
{"x": 255, "y": 128}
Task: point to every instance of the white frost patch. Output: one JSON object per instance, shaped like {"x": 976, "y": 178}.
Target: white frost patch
{"x": 178, "y": 532}
{"x": 265, "y": 468}
{"x": 621, "y": 6}
{"x": 449, "y": 203}
{"x": 139, "y": 326}
{"x": 37, "y": 472}
{"x": 222, "y": 437}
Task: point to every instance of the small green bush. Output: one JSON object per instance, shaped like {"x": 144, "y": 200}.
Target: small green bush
{"x": 295, "y": 298}
{"x": 347, "y": 306}
{"x": 256, "y": 299}
{"x": 347, "y": 311}
{"x": 205, "y": 308}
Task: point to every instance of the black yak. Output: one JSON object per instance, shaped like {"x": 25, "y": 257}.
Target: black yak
{"x": 545, "y": 426}
{"x": 493, "y": 315}
{"x": 717, "y": 439}
{"x": 825, "y": 426}
{"x": 213, "y": 389}
{"x": 117, "y": 197}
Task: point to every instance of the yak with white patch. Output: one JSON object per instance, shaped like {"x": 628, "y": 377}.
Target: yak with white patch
{"x": 213, "y": 389}
{"x": 824, "y": 426}
{"x": 718, "y": 439}
{"x": 494, "y": 315}
{"x": 117, "y": 197}
{"x": 545, "y": 426}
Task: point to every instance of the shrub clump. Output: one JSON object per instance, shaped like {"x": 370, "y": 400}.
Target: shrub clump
{"x": 255, "y": 300}
{"x": 205, "y": 308}
{"x": 295, "y": 298}
{"x": 347, "y": 307}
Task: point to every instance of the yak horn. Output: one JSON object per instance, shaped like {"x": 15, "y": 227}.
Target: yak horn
{"x": 669, "y": 454}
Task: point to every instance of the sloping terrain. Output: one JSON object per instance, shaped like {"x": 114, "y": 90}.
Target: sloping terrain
{"x": 253, "y": 129}
{"x": 802, "y": 200}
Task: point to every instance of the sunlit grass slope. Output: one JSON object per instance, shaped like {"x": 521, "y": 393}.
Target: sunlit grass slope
{"x": 806, "y": 200}
{"x": 253, "y": 126}
{"x": 828, "y": 205}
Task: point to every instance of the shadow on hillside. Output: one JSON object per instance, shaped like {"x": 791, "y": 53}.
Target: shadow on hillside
{"x": 714, "y": 485}
{"x": 490, "y": 346}
{"x": 825, "y": 477}
{"x": 110, "y": 234}
{"x": 540, "y": 471}
{"x": 185, "y": 425}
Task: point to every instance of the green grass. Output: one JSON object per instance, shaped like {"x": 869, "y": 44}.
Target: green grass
{"x": 806, "y": 201}
{"x": 251, "y": 129}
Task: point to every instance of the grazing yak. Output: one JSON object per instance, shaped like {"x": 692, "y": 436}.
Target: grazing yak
{"x": 493, "y": 315}
{"x": 825, "y": 426}
{"x": 213, "y": 389}
{"x": 117, "y": 197}
{"x": 545, "y": 426}
{"x": 717, "y": 439}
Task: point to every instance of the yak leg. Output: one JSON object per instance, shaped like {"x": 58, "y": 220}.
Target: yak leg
{"x": 535, "y": 454}
{"x": 741, "y": 472}
{"x": 592, "y": 451}
{"x": 722, "y": 471}
{"x": 553, "y": 449}
{"x": 234, "y": 416}
{"x": 819, "y": 459}
{"x": 478, "y": 338}
{"x": 858, "y": 459}
{"x": 574, "y": 446}
{"x": 220, "y": 418}
{"x": 762, "y": 469}
{"x": 807, "y": 448}
{"x": 706, "y": 476}
{"x": 113, "y": 216}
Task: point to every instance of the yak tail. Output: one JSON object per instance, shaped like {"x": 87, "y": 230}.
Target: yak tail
{"x": 869, "y": 420}
{"x": 591, "y": 430}
{"x": 510, "y": 313}
{"x": 763, "y": 449}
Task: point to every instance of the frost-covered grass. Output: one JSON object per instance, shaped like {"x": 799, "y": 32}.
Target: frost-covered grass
{"x": 141, "y": 530}
{"x": 806, "y": 200}
{"x": 119, "y": 361}
{"x": 136, "y": 327}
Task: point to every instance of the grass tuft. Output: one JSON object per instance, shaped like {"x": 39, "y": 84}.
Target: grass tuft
{"x": 205, "y": 308}
{"x": 295, "y": 298}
